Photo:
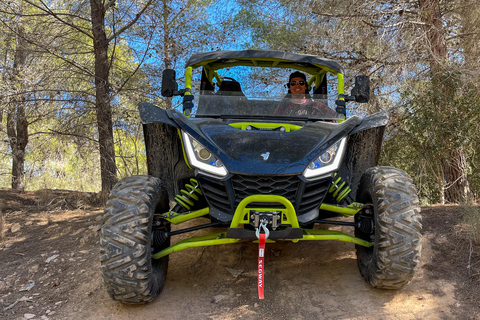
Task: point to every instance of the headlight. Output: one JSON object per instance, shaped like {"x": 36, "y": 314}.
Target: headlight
{"x": 328, "y": 161}
{"x": 200, "y": 158}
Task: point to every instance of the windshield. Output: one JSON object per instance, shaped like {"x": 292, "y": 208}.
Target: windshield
{"x": 316, "y": 107}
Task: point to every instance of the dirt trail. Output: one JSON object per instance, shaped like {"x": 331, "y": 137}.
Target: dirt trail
{"x": 58, "y": 251}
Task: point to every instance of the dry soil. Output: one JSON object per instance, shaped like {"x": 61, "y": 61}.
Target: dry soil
{"x": 50, "y": 269}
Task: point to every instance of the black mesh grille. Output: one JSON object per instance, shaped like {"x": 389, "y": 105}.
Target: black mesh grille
{"x": 304, "y": 196}
{"x": 285, "y": 186}
{"x": 313, "y": 194}
{"x": 216, "y": 193}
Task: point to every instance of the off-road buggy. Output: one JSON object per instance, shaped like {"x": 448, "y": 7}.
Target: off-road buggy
{"x": 260, "y": 174}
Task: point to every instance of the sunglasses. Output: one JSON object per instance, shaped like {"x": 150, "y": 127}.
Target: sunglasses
{"x": 294, "y": 83}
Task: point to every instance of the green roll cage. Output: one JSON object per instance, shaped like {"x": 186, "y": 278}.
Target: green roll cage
{"x": 316, "y": 70}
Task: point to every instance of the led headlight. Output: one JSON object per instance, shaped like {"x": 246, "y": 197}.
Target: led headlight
{"x": 200, "y": 158}
{"x": 328, "y": 161}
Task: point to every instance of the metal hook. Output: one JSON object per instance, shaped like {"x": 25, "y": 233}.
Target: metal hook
{"x": 263, "y": 224}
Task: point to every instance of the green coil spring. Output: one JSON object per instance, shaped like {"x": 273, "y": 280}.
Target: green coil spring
{"x": 188, "y": 196}
{"x": 339, "y": 189}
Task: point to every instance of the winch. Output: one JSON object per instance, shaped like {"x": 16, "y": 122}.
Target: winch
{"x": 271, "y": 218}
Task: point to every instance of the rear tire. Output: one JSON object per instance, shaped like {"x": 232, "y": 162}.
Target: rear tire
{"x": 129, "y": 272}
{"x": 392, "y": 260}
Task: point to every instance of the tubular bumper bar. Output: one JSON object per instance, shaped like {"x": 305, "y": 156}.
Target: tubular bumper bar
{"x": 237, "y": 233}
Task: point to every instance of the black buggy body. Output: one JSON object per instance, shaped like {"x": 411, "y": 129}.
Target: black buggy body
{"x": 253, "y": 165}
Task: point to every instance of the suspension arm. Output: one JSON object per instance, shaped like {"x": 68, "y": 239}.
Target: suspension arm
{"x": 203, "y": 226}
{"x": 337, "y": 223}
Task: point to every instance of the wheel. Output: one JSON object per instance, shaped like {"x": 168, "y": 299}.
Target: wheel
{"x": 130, "y": 274}
{"x": 396, "y": 229}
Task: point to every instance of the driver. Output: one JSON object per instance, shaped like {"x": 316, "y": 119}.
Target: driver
{"x": 300, "y": 103}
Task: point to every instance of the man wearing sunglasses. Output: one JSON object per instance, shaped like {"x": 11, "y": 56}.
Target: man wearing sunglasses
{"x": 299, "y": 103}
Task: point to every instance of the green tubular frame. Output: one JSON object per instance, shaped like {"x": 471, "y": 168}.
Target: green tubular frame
{"x": 201, "y": 241}
{"x": 242, "y": 216}
{"x": 177, "y": 218}
{"x": 188, "y": 80}
{"x": 313, "y": 234}
{"x": 243, "y": 125}
{"x": 316, "y": 77}
{"x": 317, "y": 73}
{"x": 345, "y": 211}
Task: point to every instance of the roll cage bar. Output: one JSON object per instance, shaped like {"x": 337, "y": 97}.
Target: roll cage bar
{"x": 315, "y": 66}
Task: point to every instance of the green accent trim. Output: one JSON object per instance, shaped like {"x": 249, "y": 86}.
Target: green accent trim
{"x": 188, "y": 80}
{"x": 310, "y": 81}
{"x": 212, "y": 73}
{"x": 349, "y": 210}
{"x": 219, "y": 239}
{"x": 209, "y": 74}
{"x": 183, "y": 149}
{"x": 177, "y": 218}
{"x": 318, "y": 79}
{"x": 201, "y": 241}
{"x": 267, "y": 63}
{"x": 341, "y": 84}
{"x": 243, "y": 126}
{"x": 242, "y": 214}
{"x": 314, "y": 234}
{"x": 217, "y": 77}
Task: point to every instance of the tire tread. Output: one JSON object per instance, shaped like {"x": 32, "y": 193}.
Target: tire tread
{"x": 125, "y": 241}
{"x": 398, "y": 228}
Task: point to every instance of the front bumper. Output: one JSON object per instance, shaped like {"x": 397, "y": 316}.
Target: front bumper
{"x": 289, "y": 227}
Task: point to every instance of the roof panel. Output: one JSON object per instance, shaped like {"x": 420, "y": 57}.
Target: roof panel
{"x": 221, "y": 59}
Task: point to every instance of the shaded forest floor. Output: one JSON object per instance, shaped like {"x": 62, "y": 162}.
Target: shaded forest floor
{"x": 50, "y": 270}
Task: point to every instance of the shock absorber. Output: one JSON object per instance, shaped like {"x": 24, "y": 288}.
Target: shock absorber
{"x": 187, "y": 197}
{"x": 339, "y": 189}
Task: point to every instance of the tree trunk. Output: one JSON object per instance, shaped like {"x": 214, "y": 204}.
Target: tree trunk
{"x": 435, "y": 33}
{"x": 470, "y": 21}
{"x": 17, "y": 125}
{"x": 454, "y": 168}
{"x": 108, "y": 166}
{"x": 17, "y": 131}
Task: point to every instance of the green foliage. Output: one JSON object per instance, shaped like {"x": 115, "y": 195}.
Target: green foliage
{"x": 430, "y": 116}
{"x": 398, "y": 153}
{"x": 435, "y": 117}
{"x": 472, "y": 219}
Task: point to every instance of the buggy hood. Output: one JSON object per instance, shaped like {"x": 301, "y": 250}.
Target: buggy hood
{"x": 241, "y": 151}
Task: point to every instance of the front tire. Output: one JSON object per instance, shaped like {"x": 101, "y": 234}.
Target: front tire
{"x": 392, "y": 260}
{"x": 130, "y": 274}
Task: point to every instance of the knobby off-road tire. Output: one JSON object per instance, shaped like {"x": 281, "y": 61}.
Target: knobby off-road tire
{"x": 129, "y": 272}
{"x": 392, "y": 261}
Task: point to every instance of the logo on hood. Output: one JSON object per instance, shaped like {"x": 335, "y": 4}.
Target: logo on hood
{"x": 265, "y": 156}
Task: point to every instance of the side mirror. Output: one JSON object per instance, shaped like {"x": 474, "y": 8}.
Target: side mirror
{"x": 169, "y": 85}
{"x": 361, "y": 91}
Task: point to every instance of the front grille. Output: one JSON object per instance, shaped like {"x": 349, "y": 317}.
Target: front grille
{"x": 216, "y": 193}
{"x": 226, "y": 195}
{"x": 285, "y": 186}
{"x": 313, "y": 194}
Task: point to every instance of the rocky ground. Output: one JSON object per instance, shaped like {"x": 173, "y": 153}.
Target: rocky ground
{"x": 50, "y": 270}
